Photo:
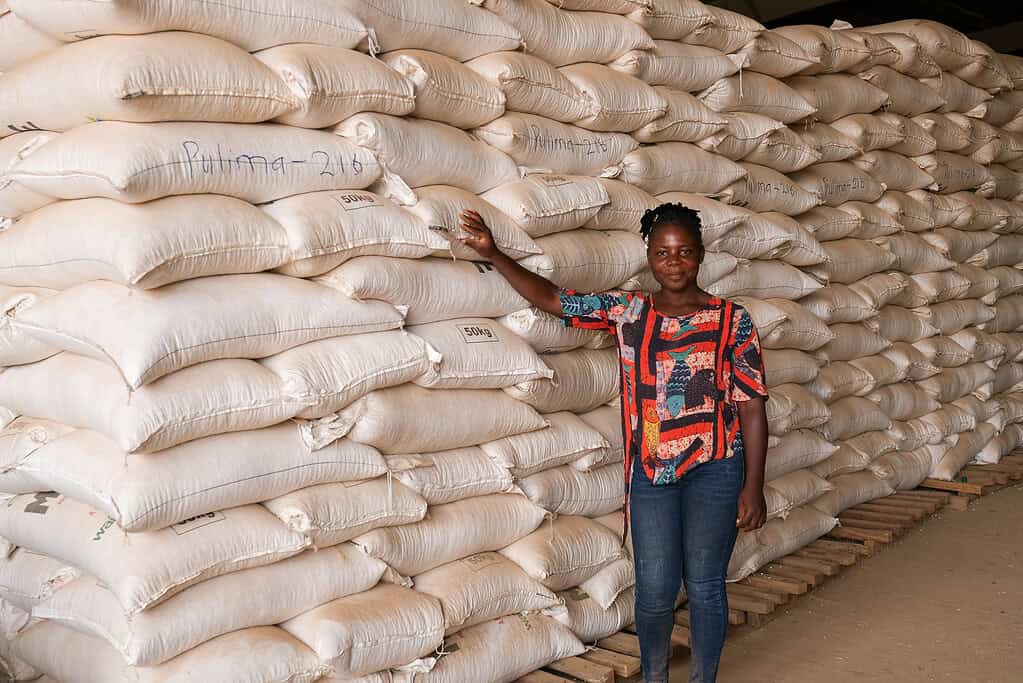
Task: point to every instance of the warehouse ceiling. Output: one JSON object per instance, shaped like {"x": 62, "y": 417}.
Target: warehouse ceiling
{"x": 995, "y": 22}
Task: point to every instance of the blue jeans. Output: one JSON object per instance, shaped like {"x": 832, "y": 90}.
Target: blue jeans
{"x": 684, "y": 532}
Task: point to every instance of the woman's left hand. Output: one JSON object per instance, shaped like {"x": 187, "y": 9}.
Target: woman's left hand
{"x": 752, "y": 508}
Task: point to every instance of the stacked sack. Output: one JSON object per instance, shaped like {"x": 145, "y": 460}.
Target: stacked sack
{"x": 306, "y": 389}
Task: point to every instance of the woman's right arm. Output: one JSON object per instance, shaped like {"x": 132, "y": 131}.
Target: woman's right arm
{"x": 537, "y": 290}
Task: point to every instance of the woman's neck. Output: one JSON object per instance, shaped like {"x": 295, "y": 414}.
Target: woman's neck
{"x": 680, "y": 303}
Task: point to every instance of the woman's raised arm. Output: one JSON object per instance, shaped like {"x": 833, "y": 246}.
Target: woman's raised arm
{"x": 539, "y": 291}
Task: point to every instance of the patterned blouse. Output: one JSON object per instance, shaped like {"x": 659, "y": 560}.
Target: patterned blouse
{"x": 679, "y": 383}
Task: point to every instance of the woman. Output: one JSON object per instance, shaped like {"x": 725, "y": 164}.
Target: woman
{"x": 694, "y": 425}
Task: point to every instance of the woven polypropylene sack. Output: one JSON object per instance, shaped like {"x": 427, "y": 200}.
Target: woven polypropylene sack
{"x": 583, "y": 37}
{"x": 540, "y": 144}
{"x": 366, "y": 632}
{"x": 494, "y": 415}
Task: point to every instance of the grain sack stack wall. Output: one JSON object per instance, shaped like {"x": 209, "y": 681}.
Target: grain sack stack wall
{"x": 454, "y": 455}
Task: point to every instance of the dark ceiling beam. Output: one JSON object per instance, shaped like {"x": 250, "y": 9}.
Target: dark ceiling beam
{"x": 1002, "y": 38}
{"x": 770, "y": 10}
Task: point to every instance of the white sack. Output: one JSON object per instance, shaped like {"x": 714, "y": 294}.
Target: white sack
{"x": 252, "y": 26}
{"x": 327, "y": 375}
{"x": 839, "y": 182}
{"x": 894, "y": 171}
{"x": 569, "y": 439}
{"x": 545, "y": 203}
{"x": 531, "y": 85}
{"x": 482, "y": 651}
{"x": 329, "y": 84}
{"x": 385, "y": 627}
{"x": 685, "y": 120}
{"x": 468, "y": 417}
{"x": 829, "y": 143}
{"x": 909, "y": 97}
{"x": 773, "y": 54}
{"x": 826, "y": 223}
{"x": 477, "y": 353}
{"x": 615, "y": 101}
{"x": 741, "y": 136}
{"x": 765, "y": 280}
{"x": 439, "y": 207}
{"x": 432, "y": 288}
{"x": 155, "y": 565}
{"x": 288, "y": 587}
{"x": 567, "y": 491}
{"x": 16, "y": 199}
{"x": 270, "y": 655}
{"x": 590, "y": 622}
{"x": 676, "y": 167}
{"x": 540, "y": 144}
{"x": 581, "y": 36}
{"x": 157, "y": 243}
{"x": 401, "y": 145}
{"x": 852, "y": 416}
{"x": 453, "y": 531}
{"x": 17, "y": 347}
{"x": 837, "y": 95}
{"x": 168, "y": 76}
{"x": 329, "y": 514}
{"x": 449, "y": 476}
{"x": 869, "y": 132}
{"x": 785, "y": 150}
{"x": 838, "y": 304}
{"x": 209, "y": 398}
{"x": 588, "y": 260}
{"x": 565, "y": 552}
{"x": 251, "y": 316}
{"x": 482, "y": 587}
{"x": 257, "y": 163}
{"x": 758, "y": 94}
{"x": 450, "y": 27}
{"x": 764, "y": 189}
{"x": 149, "y": 492}
{"x": 851, "y": 490}
{"x": 325, "y": 229}
{"x": 795, "y": 451}
{"x": 688, "y": 68}
{"x": 583, "y": 379}
{"x": 547, "y": 334}
{"x": 789, "y": 366}
{"x": 446, "y": 90}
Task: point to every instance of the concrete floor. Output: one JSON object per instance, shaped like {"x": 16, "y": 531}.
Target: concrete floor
{"x": 943, "y": 603}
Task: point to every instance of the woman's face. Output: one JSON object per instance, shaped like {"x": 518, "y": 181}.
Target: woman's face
{"x": 674, "y": 256}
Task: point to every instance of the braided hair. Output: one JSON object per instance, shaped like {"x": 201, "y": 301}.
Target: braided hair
{"x": 671, "y": 214}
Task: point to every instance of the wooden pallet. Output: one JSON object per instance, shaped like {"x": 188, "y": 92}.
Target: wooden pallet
{"x": 974, "y": 481}
{"x": 755, "y": 600}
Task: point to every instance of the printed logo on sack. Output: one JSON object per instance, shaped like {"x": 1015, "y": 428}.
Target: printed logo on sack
{"x": 578, "y": 595}
{"x": 103, "y": 529}
{"x": 477, "y": 334}
{"x": 39, "y": 505}
{"x": 553, "y": 180}
{"x": 353, "y": 201}
{"x": 481, "y": 561}
{"x": 199, "y": 521}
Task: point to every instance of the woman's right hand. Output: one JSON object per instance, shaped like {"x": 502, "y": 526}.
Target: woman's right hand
{"x": 479, "y": 237}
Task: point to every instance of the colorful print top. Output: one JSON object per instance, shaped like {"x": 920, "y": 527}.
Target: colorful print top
{"x": 680, "y": 383}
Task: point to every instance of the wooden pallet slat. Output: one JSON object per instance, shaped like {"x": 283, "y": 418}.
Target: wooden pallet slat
{"x": 954, "y": 486}
{"x": 625, "y": 643}
{"x": 841, "y": 546}
{"x": 776, "y": 584}
{"x": 541, "y": 676}
{"x": 625, "y": 666}
{"x": 582, "y": 670}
